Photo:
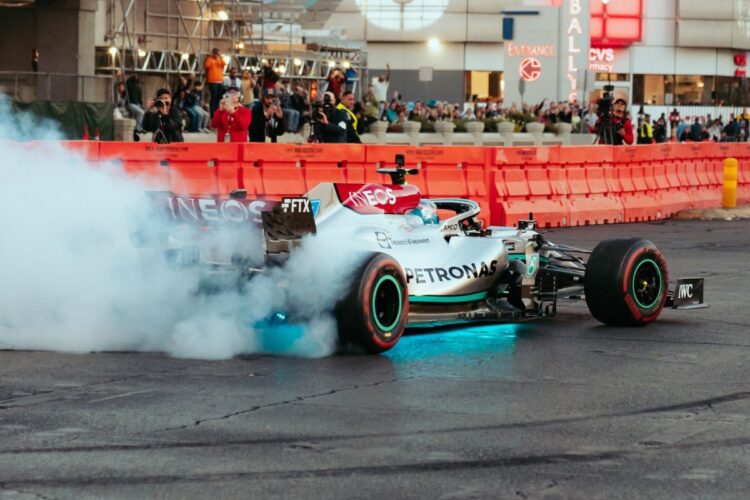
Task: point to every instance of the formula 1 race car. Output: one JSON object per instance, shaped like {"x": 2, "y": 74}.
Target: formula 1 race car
{"x": 420, "y": 270}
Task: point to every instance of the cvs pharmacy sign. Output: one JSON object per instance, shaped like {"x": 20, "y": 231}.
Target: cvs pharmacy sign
{"x": 601, "y": 60}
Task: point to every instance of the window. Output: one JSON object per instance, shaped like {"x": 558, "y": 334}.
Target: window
{"x": 731, "y": 91}
{"x": 615, "y": 77}
{"x": 402, "y": 15}
{"x": 483, "y": 85}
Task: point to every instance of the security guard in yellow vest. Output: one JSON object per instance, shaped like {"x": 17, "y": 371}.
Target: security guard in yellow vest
{"x": 646, "y": 133}
{"x": 347, "y": 105}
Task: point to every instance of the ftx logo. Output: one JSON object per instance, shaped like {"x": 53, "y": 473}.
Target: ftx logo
{"x": 300, "y": 206}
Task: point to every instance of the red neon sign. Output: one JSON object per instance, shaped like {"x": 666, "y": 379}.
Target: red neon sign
{"x": 615, "y": 23}
{"x": 530, "y": 69}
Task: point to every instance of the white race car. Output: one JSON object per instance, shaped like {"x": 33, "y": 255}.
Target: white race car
{"x": 420, "y": 269}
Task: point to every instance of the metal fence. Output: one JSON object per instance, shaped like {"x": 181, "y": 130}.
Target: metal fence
{"x": 692, "y": 111}
{"x": 28, "y": 87}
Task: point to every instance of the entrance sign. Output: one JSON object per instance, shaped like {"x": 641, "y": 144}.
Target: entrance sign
{"x": 530, "y": 69}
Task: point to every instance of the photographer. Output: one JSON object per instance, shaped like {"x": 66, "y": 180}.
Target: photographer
{"x": 162, "y": 119}
{"x": 267, "y": 118}
{"x": 329, "y": 123}
{"x": 231, "y": 118}
{"x": 613, "y": 127}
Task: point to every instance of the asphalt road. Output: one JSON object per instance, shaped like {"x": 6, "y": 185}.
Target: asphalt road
{"x": 560, "y": 408}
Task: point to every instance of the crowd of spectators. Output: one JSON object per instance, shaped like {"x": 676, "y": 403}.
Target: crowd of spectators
{"x": 278, "y": 105}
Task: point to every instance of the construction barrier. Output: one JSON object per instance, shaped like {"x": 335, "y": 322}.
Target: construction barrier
{"x": 594, "y": 188}
{"x": 559, "y": 185}
{"x": 528, "y": 180}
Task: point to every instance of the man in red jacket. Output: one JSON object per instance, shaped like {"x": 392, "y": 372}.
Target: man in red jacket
{"x": 231, "y": 118}
{"x": 615, "y": 129}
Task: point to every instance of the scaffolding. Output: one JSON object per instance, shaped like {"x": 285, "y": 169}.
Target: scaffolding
{"x": 168, "y": 37}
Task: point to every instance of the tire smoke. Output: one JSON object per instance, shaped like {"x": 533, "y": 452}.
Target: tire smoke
{"x": 73, "y": 281}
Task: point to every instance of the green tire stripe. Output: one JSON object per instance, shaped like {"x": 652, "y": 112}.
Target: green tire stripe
{"x": 386, "y": 277}
{"x": 632, "y": 284}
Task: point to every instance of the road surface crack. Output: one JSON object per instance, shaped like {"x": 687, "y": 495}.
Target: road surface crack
{"x": 298, "y": 399}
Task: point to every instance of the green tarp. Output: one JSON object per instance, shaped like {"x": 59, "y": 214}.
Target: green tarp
{"x": 73, "y": 117}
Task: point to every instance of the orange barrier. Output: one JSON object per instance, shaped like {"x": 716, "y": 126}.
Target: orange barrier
{"x": 88, "y": 149}
{"x": 701, "y": 157}
{"x": 276, "y": 170}
{"x": 184, "y": 169}
{"x": 561, "y": 186}
{"x": 742, "y": 153}
{"x": 639, "y": 196}
{"x": 594, "y": 186}
{"x": 528, "y": 180}
{"x": 445, "y": 171}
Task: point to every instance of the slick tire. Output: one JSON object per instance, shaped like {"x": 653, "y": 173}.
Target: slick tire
{"x": 626, "y": 282}
{"x": 373, "y": 314}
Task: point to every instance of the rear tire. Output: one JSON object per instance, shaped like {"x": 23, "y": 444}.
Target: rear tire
{"x": 373, "y": 314}
{"x": 626, "y": 282}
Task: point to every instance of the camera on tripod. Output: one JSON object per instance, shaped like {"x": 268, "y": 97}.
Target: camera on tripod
{"x": 606, "y": 128}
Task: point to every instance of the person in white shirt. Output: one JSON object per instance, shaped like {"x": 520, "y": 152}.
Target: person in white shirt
{"x": 232, "y": 80}
{"x": 380, "y": 88}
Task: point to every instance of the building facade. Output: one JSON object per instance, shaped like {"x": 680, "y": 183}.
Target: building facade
{"x": 665, "y": 52}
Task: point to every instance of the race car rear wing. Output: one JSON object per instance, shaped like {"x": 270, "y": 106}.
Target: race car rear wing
{"x": 687, "y": 294}
{"x": 286, "y": 224}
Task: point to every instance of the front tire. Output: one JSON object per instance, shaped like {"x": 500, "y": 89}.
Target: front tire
{"x": 373, "y": 314}
{"x": 626, "y": 282}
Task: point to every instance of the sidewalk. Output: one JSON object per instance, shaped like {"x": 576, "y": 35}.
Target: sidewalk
{"x": 742, "y": 212}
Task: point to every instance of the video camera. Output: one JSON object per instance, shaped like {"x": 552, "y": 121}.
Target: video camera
{"x": 325, "y": 107}
{"x": 606, "y": 128}
{"x": 604, "y": 104}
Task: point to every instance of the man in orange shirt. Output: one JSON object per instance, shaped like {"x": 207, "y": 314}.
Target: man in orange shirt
{"x": 214, "y": 65}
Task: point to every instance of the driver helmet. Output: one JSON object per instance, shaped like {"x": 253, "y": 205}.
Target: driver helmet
{"x": 426, "y": 211}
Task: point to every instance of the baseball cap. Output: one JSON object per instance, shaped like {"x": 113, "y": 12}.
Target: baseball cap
{"x": 233, "y": 88}
{"x": 269, "y": 93}
{"x": 620, "y": 100}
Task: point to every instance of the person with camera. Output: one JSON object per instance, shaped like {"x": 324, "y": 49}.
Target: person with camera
{"x": 614, "y": 128}
{"x": 232, "y": 118}
{"x": 267, "y": 118}
{"x": 329, "y": 122}
{"x": 162, "y": 119}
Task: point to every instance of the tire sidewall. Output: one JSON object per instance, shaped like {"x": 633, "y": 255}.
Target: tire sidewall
{"x": 637, "y": 256}
{"x": 379, "y": 267}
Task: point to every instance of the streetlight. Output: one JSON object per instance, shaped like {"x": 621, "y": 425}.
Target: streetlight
{"x": 222, "y": 15}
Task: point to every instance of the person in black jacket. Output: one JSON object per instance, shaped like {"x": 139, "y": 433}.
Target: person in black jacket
{"x": 329, "y": 123}
{"x": 164, "y": 120}
{"x": 267, "y": 118}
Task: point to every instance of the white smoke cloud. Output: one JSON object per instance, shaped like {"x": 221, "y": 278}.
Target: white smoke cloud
{"x": 71, "y": 280}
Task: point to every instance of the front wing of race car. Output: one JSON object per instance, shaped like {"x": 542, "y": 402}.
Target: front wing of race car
{"x": 687, "y": 294}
